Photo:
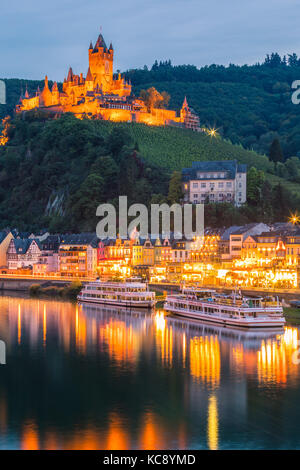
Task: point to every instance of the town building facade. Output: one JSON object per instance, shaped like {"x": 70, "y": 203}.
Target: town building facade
{"x": 215, "y": 181}
{"x": 78, "y": 255}
{"x": 23, "y": 253}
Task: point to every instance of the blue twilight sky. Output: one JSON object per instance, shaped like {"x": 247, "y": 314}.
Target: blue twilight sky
{"x": 45, "y": 37}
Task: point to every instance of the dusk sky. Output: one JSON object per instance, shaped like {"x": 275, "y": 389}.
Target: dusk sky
{"x": 39, "y": 38}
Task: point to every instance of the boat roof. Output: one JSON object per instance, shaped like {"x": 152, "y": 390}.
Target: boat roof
{"x": 117, "y": 284}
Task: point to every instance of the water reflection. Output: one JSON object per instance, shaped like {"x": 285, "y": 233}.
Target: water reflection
{"x": 84, "y": 377}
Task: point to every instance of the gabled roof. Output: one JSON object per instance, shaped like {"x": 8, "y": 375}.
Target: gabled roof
{"x": 226, "y": 234}
{"x": 243, "y": 229}
{"x": 80, "y": 239}
{"x": 22, "y": 245}
{"x": 51, "y": 242}
{"x": 3, "y": 235}
{"x": 230, "y": 167}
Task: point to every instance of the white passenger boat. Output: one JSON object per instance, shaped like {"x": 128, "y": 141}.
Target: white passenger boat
{"x": 121, "y": 294}
{"x": 232, "y": 310}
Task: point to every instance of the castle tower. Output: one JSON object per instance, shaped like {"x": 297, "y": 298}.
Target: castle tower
{"x": 101, "y": 64}
{"x": 46, "y": 95}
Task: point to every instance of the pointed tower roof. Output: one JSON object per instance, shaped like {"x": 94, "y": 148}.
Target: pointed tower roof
{"x": 26, "y": 92}
{"x": 91, "y": 45}
{"x": 21, "y": 95}
{"x": 100, "y": 42}
{"x": 111, "y": 47}
{"x": 54, "y": 88}
{"x": 46, "y": 83}
{"x": 70, "y": 75}
{"x": 89, "y": 76}
{"x": 157, "y": 241}
{"x": 185, "y": 103}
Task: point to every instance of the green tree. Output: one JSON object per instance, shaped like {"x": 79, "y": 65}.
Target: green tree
{"x": 175, "y": 188}
{"x": 255, "y": 182}
{"x": 153, "y": 99}
{"x": 281, "y": 203}
{"x": 85, "y": 201}
{"x": 276, "y": 154}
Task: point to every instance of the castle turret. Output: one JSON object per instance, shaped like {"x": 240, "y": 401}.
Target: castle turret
{"x": 55, "y": 94}
{"x": 89, "y": 81}
{"x": 26, "y": 93}
{"x": 188, "y": 117}
{"x": 91, "y": 46}
{"x": 46, "y": 95}
{"x": 70, "y": 75}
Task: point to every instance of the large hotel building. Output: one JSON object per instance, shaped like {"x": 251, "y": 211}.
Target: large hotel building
{"x": 215, "y": 181}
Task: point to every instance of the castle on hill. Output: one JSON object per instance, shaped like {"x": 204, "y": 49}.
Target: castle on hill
{"x": 103, "y": 95}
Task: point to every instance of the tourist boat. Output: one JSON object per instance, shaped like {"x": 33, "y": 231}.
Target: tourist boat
{"x": 228, "y": 310}
{"x": 121, "y": 294}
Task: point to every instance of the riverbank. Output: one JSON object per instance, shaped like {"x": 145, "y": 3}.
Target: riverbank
{"x": 68, "y": 291}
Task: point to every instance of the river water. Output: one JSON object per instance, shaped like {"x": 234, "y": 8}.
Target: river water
{"x": 79, "y": 377}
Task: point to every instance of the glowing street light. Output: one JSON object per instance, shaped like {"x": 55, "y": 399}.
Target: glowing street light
{"x": 211, "y": 131}
{"x": 294, "y": 219}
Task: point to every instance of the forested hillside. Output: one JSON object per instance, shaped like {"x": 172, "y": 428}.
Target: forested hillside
{"x": 250, "y": 105}
{"x": 55, "y": 172}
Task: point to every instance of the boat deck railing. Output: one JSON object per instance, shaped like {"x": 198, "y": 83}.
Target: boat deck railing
{"x": 233, "y": 307}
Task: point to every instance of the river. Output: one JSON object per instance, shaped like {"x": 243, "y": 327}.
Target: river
{"x": 79, "y": 377}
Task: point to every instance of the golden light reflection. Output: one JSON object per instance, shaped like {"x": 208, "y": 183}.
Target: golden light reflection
{"x": 164, "y": 338}
{"x": 122, "y": 341}
{"x": 80, "y": 331}
{"x": 19, "y": 324}
{"x": 183, "y": 349}
{"x": 212, "y": 423}
{"x": 117, "y": 438}
{"x": 151, "y": 434}
{"x": 30, "y": 437}
{"x": 274, "y": 359}
{"x": 44, "y": 325}
{"x": 205, "y": 361}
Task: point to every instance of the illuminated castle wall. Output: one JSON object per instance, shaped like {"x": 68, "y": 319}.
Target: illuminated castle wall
{"x": 102, "y": 95}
